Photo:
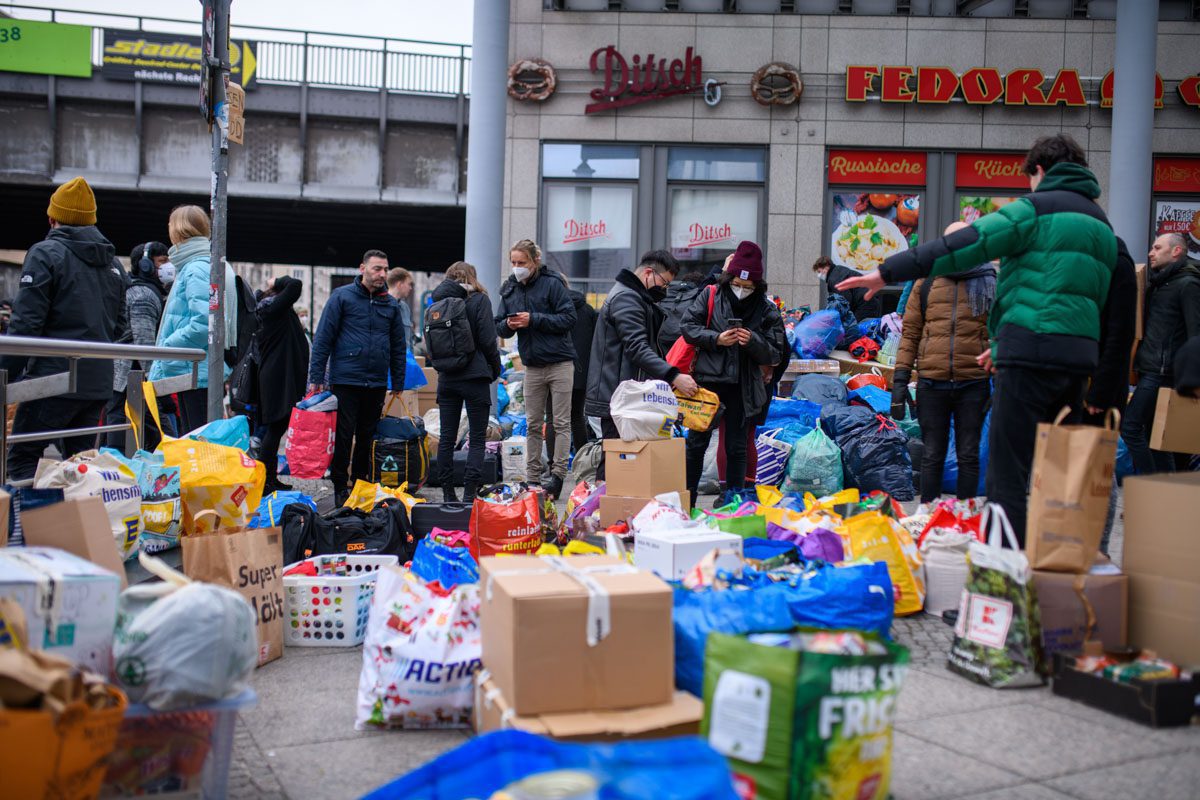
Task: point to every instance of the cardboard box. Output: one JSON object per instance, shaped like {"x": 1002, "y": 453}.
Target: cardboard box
{"x": 849, "y": 365}
{"x": 671, "y": 553}
{"x": 618, "y": 508}
{"x": 5, "y": 511}
{"x": 644, "y": 468}
{"x": 79, "y": 526}
{"x": 1176, "y": 423}
{"x": 822, "y": 366}
{"x": 1139, "y": 320}
{"x": 70, "y": 604}
{"x": 536, "y": 622}
{"x": 680, "y": 717}
{"x": 1159, "y": 703}
{"x": 420, "y": 360}
{"x": 1065, "y": 615}
{"x": 1162, "y": 560}
{"x": 425, "y": 401}
{"x": 431, "y": 378}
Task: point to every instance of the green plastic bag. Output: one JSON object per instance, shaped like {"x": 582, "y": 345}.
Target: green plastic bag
{"x": 797, "y": 724}
{"x": 746, "y": 524}
{"x": 815, "y": 465}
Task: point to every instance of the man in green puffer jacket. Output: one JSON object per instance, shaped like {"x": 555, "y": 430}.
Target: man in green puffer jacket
{"x": 1058, "y": 253}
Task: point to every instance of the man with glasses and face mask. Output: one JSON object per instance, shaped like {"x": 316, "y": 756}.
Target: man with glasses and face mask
{"x": 625, "y": 345}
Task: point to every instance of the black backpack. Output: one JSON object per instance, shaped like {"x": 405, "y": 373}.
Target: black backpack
{"x": 448, "y": 338}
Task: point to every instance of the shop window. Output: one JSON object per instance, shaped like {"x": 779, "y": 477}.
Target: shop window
{"x": 590, "y": 161}
{"x": 716, "y": 164}
{"x": 870, "y": 226}
{"x": 706, "y": 224}
{"x": 589, "y": 230}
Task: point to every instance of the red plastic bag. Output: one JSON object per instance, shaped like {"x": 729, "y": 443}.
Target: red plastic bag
{"x": 512, "y": 527}
{"x": 310, "y": 440}
{"x": 944, "y": 517}
{"x": 868, "y": 378}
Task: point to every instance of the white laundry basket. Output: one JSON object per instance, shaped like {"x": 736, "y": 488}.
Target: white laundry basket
{"x": 331, "y": 610}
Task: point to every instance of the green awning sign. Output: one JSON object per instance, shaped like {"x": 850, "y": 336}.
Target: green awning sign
{"x": 45, "y": 48}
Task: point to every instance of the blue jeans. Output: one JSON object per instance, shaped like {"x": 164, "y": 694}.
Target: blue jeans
{"x": 1137, "y": 423}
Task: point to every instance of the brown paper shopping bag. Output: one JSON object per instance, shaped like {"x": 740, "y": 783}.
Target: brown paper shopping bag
{"x": 249, "y": 561}
{"x": 1176, "y": 423}
{"x": 1068, "y": 496}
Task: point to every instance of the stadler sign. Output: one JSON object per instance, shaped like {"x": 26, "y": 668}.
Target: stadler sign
{"x": 643, "y": 81}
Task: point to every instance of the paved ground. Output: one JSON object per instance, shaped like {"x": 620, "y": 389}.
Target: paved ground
{"x": 953, "y": 739}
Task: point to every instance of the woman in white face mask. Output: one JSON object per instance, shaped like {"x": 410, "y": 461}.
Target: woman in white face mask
{"x": 739, "y": 339}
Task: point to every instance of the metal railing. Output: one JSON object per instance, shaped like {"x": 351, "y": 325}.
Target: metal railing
{"x": 312, "y": 58}
{"x": 34, "y": 389}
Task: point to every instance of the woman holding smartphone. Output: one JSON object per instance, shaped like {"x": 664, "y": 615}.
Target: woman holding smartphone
{"x": 733, "y": 344}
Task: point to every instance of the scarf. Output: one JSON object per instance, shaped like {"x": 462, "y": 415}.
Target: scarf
{"x": 1158, "y": 277}
{"x": 981, "y": 287}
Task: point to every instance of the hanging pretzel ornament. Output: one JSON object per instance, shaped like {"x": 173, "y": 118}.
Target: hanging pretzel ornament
{"x": 776, "y": 84}
{"x": 531, "y": 79}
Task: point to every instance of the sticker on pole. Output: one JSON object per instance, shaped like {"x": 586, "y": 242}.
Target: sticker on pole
{"x": 214, "y": 297}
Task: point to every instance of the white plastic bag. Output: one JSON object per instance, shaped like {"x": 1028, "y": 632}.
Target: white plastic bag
{"x": 421, "y": 651}
{"x": 93, "y": 474}
{"x": 663, "y": 512}
{"x": 179, "y": 644}
{"x": 644, "y": 410}
{"x": 512, "y": 458}
{"x": 945, "y": 555}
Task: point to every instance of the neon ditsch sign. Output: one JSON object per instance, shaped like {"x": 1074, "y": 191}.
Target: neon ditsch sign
{"x": 647, "y": 80}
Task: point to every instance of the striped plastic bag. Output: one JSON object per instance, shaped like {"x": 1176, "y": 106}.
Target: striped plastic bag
{"x": 772, "y": 458}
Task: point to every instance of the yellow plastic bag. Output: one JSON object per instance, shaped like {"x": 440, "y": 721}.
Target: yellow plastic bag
{"x": 213, "y": 476}
{"x": 873, "y": 536}
{"x": 700, "y": 411}
{"x": 573, "y": 548}
{"x": 365, "y": 495}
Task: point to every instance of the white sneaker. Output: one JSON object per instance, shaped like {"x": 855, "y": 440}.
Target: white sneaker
{"x": 922, "y": 509}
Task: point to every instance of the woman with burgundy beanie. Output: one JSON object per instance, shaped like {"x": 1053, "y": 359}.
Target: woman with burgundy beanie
{"x": 733, "y": 344}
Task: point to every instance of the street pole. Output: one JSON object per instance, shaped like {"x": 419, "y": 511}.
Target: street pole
{"x": 485, "y": 145}
{"x": 1131, "y": 150}
{"x": 216, "y": 30}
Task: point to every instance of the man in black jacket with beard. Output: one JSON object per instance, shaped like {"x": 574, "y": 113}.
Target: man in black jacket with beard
{"x": 72, "y": 287}
{"x": 625, "y": 345}
{"x": 1172, "y": 316}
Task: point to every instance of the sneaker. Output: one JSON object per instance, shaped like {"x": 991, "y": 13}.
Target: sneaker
{"x": 923, "y": 509}
{"x": 553, "y": 487}
{"x": 448, "y": 495}
{"x": 469, "y": 492}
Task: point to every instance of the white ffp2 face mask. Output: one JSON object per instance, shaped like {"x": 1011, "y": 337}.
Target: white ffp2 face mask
{"x": 166, "y": 273}
{"x": 468, "y": 287}
{"x": 741, "y": 292}
{"x": 521, "y": 273}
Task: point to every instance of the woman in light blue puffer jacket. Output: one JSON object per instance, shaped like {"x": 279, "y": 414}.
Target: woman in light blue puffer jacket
{"x": 185, "y": 317}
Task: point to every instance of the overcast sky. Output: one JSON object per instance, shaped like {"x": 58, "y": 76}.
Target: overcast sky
{"x": 434, "y": 20}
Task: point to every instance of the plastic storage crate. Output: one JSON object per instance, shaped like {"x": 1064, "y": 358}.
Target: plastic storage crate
{"x": 331, "y": 610}
{"x": 182, "y": 753}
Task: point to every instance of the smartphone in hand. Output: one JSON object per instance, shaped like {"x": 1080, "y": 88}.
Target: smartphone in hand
{"x": 735, "y": 323}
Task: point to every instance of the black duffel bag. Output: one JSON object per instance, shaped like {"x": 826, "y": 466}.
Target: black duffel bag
{"x": 489, "y": 472}
{"x": 386, "y": 530}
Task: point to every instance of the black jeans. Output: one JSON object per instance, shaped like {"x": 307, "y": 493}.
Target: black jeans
{"x": 51, "y": 414}
{"x": 193, "y": 409}
{"x": 1137, "y": 423}
{"x": 733, "y": 440}
{"x": 935, "y": 406}
{"x": 358, "y": 412}
{"x": 268, "y": 451}
{"x": 580, "y": 433}
{"x": 114, "y": 414}
{"x": 451, "y": 397}
{"x": 1023, "y": 398}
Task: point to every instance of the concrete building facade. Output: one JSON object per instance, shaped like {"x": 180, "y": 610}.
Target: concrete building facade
{"x": 903, "y": 124}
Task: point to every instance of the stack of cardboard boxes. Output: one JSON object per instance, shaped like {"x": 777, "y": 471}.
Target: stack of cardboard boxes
{"x": 636, "y": 472}
{"x": 578, "y": 648}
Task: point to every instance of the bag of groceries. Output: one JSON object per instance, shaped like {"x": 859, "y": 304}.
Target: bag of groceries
{"x": 998, "y": 637}
{"x": 702, "y": 411}
{"x": 644, "y": 410}
{"x": 805, "y": 714}
{"x": 94, "y": 474}
{"x": 213, "y": 476}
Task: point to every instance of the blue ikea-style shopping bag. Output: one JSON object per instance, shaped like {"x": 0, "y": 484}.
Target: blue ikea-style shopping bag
{"x": 231, "y": 432}
{"x": 414, "y": 376}
{"x": 449, "y": 566}
{"x": 624, "y": 771}
{"x": 857, "y": 597}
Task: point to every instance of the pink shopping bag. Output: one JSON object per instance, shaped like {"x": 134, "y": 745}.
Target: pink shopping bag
{"x": 310, "y": 439}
